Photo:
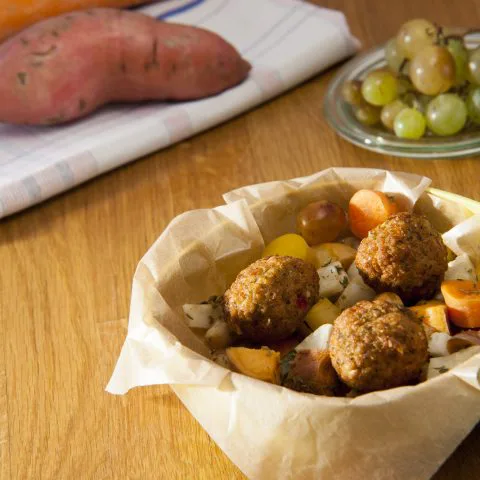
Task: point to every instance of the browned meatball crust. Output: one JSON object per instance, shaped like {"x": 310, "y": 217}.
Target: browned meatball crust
{"x": 270, "y": 298}
{"x": 375, "y": 346}
{"x": 404, "y": 255}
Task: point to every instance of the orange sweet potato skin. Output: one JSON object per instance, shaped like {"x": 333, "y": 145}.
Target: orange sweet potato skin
{"x": 66, "y": 67}
{"x": 20, "y": 14}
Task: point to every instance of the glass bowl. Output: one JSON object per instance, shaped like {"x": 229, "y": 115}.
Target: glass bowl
{"x": 340, "y": 117}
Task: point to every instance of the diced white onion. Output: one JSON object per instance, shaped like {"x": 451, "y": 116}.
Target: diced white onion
{"x": 317, "y": 340}
{"x": 201, "y": 315}
{"x": 333, "y": 279}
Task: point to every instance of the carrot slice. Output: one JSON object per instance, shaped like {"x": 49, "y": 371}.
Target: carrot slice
{"x": 463, "y": 302}
{"x": 369, "y": 208}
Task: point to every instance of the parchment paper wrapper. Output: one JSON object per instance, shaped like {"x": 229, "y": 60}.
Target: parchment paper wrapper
{"x": 271, "y": 432}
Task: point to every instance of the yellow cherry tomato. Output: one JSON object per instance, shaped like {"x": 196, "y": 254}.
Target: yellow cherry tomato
{"x": 291, "y": 245}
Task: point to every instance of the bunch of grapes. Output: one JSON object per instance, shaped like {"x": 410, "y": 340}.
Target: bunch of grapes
{"x": 430, "y": 87}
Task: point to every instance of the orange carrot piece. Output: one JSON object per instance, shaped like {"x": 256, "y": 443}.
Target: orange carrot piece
{"x": 463, "y": 302}
{"x": 369, "y": 208}
{"x": 20, "y": 14}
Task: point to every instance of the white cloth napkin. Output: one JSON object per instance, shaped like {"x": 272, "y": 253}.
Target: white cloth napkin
{"x": 286, "y": 41}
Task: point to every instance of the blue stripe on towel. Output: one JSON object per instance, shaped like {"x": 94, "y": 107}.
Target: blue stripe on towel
{"x": 183, "y": 8}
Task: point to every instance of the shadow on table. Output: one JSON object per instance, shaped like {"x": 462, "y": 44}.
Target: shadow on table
{"x": 463, "y": 461}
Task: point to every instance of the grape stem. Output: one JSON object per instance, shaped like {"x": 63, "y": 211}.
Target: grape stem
{"x": 461, "y": 90}
{"x": 402, "y": 67}
{"x": 442, "y": 39}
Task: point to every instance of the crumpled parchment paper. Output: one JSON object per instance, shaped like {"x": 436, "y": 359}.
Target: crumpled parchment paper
{"x": 267, "y": 430}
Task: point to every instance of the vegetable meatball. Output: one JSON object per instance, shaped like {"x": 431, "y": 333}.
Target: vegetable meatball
{"x": 378, "y": 345}
{"x": 270, "y": 298}
{"x": 404, "y": 255}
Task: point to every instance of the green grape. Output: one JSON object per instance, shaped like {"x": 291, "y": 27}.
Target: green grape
{"x": 392, "y": 56}
{"x": 432, "y": 71}
{"x": 409, "y": 123}
{"x": 390, "y": 111}
{"x": 474, "y": 66}
{"x": 367, "y": 114}
{"x": 473, "y": 105}
{"x": 414, "y": 35}
{"x": 379, "y": 88}
{"x": 446, "y": 114}
{"x": 459, "y": 52}
{"x": 352, "y": 92}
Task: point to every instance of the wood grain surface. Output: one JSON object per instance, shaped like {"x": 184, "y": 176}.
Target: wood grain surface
{"x": 67, "y": 265}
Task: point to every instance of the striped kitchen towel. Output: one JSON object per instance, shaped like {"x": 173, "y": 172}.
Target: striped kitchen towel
{"x": 286, "y": 41}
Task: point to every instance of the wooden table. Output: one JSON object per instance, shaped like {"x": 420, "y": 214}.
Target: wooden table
{"x": 67, "y": 265}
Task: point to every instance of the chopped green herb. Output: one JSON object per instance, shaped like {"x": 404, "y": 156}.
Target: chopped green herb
{"x": 285, "y": 364}
{"x": 215, "y": 300}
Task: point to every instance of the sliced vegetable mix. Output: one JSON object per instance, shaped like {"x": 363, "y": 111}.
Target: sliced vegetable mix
{"x": 346, "y": 320}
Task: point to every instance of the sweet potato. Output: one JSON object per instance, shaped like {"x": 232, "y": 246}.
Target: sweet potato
{"x": 336, "y": 251}
{"x": 324, "y": 311}
{"x": 369, "y": 208}
{"x": 23, "y": 13}
{"x": 434, "y": 315}
{"x": 463, "y": 302}
{"x": 66, "y": 67}
{"x": 260, "y": 363}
